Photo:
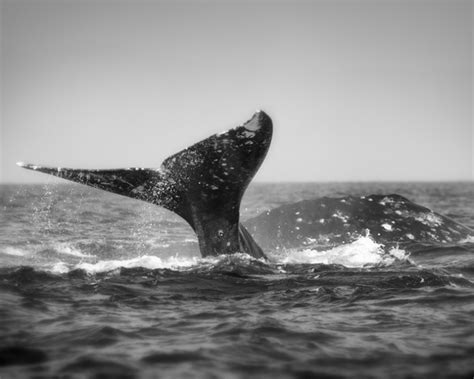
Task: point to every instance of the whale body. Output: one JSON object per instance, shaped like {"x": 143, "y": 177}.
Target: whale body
{"x": 327, "y": 221}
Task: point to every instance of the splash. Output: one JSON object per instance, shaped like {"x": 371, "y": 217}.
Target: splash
{"x": 360, "y": 253}
{"x": 62, "y": 248}
{"x": 16, "y": 252}
{"x": 146, "y": 261}
{"x": 468, "y": 239}
{"x": 363, "y": 252}
{"x": 67, "y": 249}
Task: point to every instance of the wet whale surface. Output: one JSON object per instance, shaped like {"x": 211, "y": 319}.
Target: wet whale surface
{"x": 203, "y": 183}
{"x": 328, "y": 221}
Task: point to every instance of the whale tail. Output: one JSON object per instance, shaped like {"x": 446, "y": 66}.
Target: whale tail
{"x": 203, "y": 184}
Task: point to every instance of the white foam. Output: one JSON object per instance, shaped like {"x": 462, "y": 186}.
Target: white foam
{"x": 399, "y": 254}
{"x": 60, "y": 268}
{"x": 362, "y": 252}
{"x": 468, "y": 239}
{"x": 157, "y": 243}
{"x": 64, "y": 248}
{"x": 150, "y": 262}
{"x": 147, "y": 261}
{"x": 14, "y": 251}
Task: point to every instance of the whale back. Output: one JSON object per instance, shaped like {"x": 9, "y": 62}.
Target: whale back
{"x": 328, "y": 221}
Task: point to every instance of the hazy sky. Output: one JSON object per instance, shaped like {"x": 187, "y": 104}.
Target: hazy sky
{"x": 357, "y": 90}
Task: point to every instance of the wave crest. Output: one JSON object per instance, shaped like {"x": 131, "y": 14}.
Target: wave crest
{"x": 361, "y": 253}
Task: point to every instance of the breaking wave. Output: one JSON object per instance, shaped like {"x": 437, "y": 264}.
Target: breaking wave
{"x": 147, "y": 261}
{"x": 14, "y": 251}
{"x": 364, "y": 252}
{"x": 469, "y": 239}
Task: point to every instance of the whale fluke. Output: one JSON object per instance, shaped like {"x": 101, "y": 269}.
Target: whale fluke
{"x": 203, "y": 184}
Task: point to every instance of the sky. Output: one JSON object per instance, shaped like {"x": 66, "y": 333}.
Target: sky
{"x": 357, "y": 90}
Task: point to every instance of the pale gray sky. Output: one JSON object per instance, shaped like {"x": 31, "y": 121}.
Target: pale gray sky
{"x": 357, "y": 90}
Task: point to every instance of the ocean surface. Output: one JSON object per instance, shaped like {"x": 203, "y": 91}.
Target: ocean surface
{"x": 97, "y": 285}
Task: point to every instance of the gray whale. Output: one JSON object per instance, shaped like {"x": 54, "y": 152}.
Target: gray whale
{"x": 204, "y": 184}
{"x": 329, "y": 221}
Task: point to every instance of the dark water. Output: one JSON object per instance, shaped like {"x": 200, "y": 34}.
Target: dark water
{"x": 96, "y": 285}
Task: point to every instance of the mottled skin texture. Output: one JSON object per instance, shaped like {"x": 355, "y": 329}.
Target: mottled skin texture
{"x": 389, "y": 219}
{"x": 203, "y": 184}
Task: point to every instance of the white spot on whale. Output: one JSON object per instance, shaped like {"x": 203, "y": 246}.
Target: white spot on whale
{"x": 248, "y": 134}
{"x": 253, "y": 125}
{"x": 386, "y": 200}
{"x": 429, "y": 219}
{"x": 138, "y": 189}
{"x": 341, "y": 216}
{"x": 387, "y": 227}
